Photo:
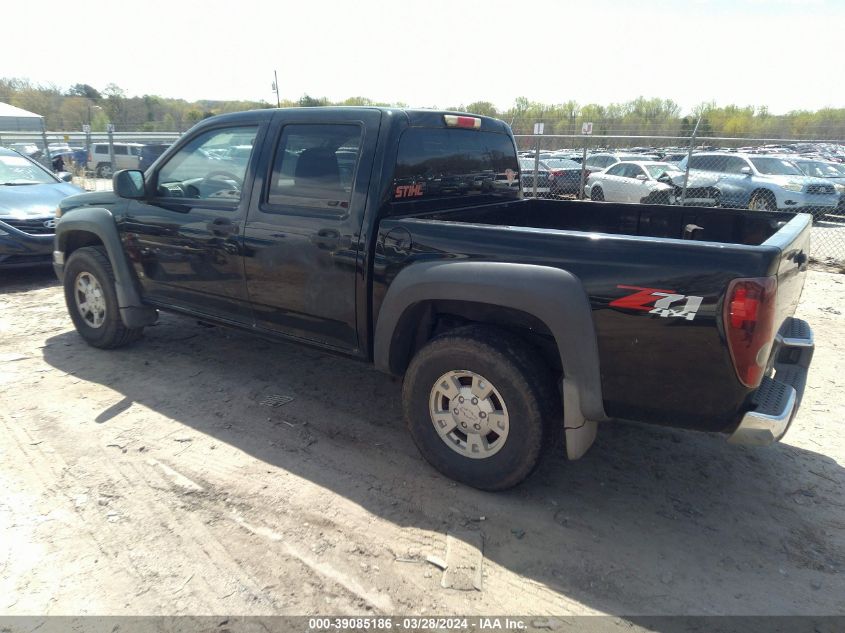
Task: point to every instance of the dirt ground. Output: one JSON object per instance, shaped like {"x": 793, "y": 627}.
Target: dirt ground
{"x": 152, "y": 480}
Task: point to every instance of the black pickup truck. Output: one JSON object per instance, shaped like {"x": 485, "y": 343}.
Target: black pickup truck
{"x": 401, "y": 238}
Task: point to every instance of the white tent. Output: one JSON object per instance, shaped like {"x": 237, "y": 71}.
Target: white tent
{"x": 13, "y": 119}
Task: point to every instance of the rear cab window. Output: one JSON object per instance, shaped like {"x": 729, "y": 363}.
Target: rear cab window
{"x": 454, "y": 167}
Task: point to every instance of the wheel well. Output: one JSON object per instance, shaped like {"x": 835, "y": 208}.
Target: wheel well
{"x": 77, "y": 239}
{"x": 423, "y": 321}
{"x": 763, "y": 192}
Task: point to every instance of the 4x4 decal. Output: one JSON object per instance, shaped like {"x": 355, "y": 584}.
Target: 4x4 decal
{"x": 659, "y": 302}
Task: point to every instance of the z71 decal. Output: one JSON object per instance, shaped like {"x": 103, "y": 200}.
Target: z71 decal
{"x": 664, "y": 303}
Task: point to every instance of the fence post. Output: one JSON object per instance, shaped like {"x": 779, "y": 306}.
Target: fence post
{"x": 46, "y": 147}
{"x": 536, "y": 165}
{"x": 110, "y": 129}
{"x": 583, "y": 171}
{"x": 689, "y": 159}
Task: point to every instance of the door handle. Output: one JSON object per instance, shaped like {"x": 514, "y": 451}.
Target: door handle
{"x": 222, "y": 227}
{"x": 331, "y": 240}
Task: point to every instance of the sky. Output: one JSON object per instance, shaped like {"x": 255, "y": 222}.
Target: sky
{"x": 784, "y": 54}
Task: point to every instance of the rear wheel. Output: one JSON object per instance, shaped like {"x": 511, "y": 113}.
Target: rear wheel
{"x": 104, "y": 170}
{"x": 480, "y": 406}
{"x": 596, "y": 194}
{"x": 91, "y": 299}
{"x": 763, "y": 201}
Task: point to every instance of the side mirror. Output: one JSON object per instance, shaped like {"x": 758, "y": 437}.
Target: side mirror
{"x": 129, "y": 183}
{"x": 65, "y": 176}
{"x": 745, "y": 170}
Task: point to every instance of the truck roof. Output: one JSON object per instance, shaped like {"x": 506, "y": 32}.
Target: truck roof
{"x": 414, "y": 117}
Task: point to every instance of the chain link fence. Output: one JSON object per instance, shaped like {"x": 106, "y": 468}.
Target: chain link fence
{"x": 758, "y": 174}
{"x": 88, "y": 155}
{"x": 764, "y": 174}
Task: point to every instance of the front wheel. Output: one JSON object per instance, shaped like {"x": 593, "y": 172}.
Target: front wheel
{"x": 596, "y": 194}
{"x": 480, "y": 406}
{"x": 762, "y": 201}
{"x": 92, "y": 301}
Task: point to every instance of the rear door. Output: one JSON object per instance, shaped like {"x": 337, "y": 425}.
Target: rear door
{"x": 304, "y": 230}
{"x": 613, "y": 183}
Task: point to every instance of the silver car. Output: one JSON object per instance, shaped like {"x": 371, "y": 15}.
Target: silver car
{"x": 29, "y": 195}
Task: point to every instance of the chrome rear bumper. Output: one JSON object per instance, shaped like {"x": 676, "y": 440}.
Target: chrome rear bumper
{"x": 776, "y": 401}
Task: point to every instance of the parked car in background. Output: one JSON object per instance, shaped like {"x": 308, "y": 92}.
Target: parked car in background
{"x": 149, "y": 153}
{"x": 603, "y": 160}
{"x": 630, "y": 181}
{"x": 72, "y": 157}
{"x": 834, "y": 172}
{"x": 564, "y": 176}
{"x": 764, "y": 183}
{"x": 126, "y": 156}
{"x": 674, "y": 157}
{"x": 29, "y": 195}
{"x": 526, "y": 177}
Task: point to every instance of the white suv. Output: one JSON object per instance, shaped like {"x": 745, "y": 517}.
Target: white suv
{"x": 126, "y": 156}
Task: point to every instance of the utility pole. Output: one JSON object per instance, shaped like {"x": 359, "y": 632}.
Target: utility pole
{"x": 276, "y": 89}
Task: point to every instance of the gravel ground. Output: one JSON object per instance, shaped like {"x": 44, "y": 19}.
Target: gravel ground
{"x": 151, "y": 480}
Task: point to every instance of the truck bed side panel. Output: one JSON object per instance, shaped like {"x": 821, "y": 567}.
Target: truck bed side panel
{"x": 661, "y": 368}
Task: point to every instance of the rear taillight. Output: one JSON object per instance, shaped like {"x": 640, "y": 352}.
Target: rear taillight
{"x": 749, "y": 325}
{"x": 90, "y": 158}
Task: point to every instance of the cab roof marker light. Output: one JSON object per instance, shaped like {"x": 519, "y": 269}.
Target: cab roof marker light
{"x": 468, "y": 122}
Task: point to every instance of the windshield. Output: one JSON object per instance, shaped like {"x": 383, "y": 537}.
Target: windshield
{"x": 775, "y": 167}
{"x": 819, "y": 169}
{"x": 655, "y": 170}
{"x": 562, "y": 163}
{"x": 17, "y": 170}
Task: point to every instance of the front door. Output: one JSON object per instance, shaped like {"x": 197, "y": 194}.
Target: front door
{"x": 302, "y": 239}
{"x": 185, "y": 241}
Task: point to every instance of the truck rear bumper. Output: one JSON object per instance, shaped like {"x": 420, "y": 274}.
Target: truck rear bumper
{"x": 776, "y": 401}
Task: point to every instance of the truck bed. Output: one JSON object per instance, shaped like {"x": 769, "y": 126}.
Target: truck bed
{"x": 692, "y": 223}
{"x": 614, "y": 248}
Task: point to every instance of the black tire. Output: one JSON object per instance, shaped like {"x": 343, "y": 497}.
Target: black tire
{"x": 93, "y": 261}
{"x": 596, "y": 194}
{"x": 104, "y": 170}
{"x": 527, "y": 388}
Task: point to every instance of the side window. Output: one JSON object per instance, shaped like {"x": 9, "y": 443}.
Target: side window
{"x": 616, "y": 170}
{"x": 315, "y": 166}
{"x": 708, "y": 162}
{"x": 101, "y": 149}
{"x": 734, "y": 164}
{"x": 595, "y": 161}
{"x": 204, "y": 168}
{"x": 120, "y": 150}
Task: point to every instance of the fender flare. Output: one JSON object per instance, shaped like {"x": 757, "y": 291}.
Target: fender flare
{"x": 100, "y": 222}
{"x": 554, "y": 296}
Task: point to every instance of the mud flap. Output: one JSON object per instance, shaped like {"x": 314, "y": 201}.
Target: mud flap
{"x": 579, "y": 432}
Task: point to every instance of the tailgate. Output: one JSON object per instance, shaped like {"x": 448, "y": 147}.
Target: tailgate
{"x": 793, "y": 240}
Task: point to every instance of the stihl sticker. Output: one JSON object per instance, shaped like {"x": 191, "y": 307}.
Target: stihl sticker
{"x": 664, "y": 303}
{"x": 409, "y": 191}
